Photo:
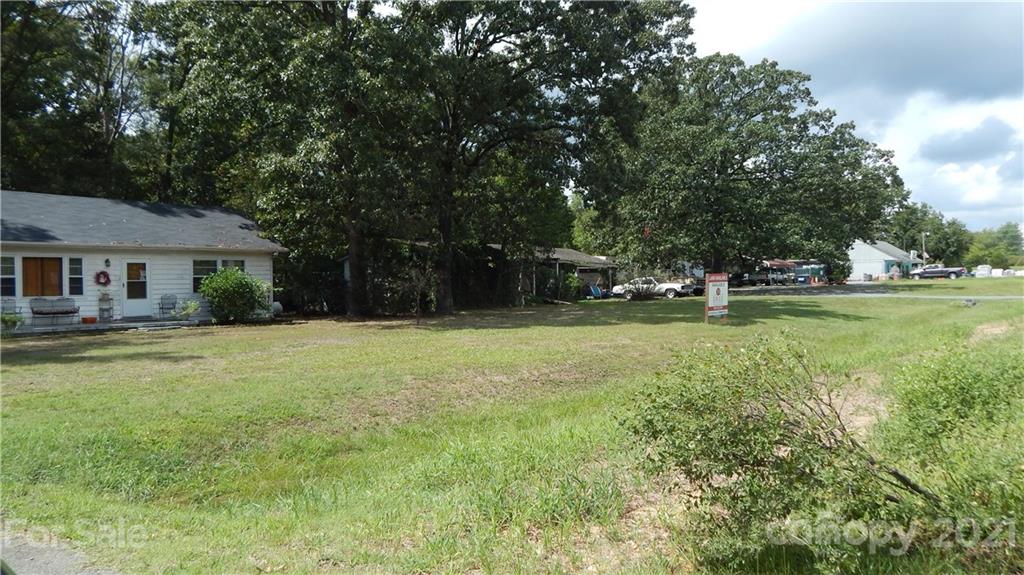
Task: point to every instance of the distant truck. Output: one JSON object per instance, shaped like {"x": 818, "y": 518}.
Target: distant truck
{"x": 937, "y": 271}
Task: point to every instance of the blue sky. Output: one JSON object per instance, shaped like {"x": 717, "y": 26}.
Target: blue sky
{"x": 939, "y": 83}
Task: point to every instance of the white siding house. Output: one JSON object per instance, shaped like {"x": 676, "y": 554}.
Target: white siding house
{"x": 877, "y": 259}
{"x": 56, "y": 246}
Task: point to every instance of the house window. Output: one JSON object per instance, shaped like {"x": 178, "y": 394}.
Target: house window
{"x": 42, "y": 277}
{"x": 201, "y": 269}
{"x": 76, "y": 283}
{"x": 7, "y": 281}
{"x": 240, "y": 264}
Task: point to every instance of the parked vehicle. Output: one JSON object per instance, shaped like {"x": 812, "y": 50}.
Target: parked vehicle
{"x": 741, "y": 279}
{"x": 937, "y": 271}
{"x": 760, "y": 277}
{"x": 655, "y": 286}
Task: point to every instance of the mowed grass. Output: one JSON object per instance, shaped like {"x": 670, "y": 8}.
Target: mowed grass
{"x": 1013, "y": 286}
{"x": 487, "y": 441}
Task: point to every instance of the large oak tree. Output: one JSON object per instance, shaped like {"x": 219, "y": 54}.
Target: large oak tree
{"x": 736, "y": 163}
{"x": 501, "y": 74}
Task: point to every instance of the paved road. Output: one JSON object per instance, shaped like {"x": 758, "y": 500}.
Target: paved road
{"x": 28, "y": 557}
{"x": 862, "y": 290}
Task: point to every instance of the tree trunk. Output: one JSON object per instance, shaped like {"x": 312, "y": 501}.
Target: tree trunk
{"x": 355, "y": 295}
{"x": 108, "y": 176}
{"x": 166, "y": 181}
{"x": 520, "y": 301}
{"x": 717, "y": 263}
{"x": 445, "y": 298}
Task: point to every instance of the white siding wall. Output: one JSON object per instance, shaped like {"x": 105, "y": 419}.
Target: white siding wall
{"x": 866, "y": 260}
{"x": 169, "y": 272}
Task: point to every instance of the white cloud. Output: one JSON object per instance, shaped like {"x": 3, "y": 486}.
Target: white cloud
{"x": 733, "y": 26}
{"x": 978, "y": 185}
{"x": 974, "y": 192}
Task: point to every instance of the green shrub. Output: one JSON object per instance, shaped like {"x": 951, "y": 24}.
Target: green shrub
{"x": 235, "y": 296}
{"x": 756, "y": 433}
{"x": 942, "y": 396}
{"x": 955, "y": 422}
{"x": 731, "y": 421}
{"x": 9, "y": 322}
{"x": 571, "y": 286}
{"x": 759, "y": 440}
{"x": 839, "y": 270}
{"x": 187, "y": 309}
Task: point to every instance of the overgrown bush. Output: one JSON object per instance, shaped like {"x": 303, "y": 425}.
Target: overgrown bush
{"x": 235, "y": 296}
{"x": 956, "y": 422}
{"x": 758, "y": 438}
{"x": 756, "y": 434}
{"x": 839, "y": 270}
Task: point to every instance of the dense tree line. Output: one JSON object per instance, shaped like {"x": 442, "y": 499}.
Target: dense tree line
{"x": 348, "y": 129}
{"x": 920, "y": 227}
{"x": 405, "y": 138}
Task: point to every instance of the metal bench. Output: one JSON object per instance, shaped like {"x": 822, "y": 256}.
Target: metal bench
{"x": 53, "y": 309}
{"x": 168, "y": 305}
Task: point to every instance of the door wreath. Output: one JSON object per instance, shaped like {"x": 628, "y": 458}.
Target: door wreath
{"x": 102, "y": 278}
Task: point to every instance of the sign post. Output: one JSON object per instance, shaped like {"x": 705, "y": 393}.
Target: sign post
{"x": 716, "y": 296}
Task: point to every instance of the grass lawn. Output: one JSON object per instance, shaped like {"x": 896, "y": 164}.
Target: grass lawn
{"x": 485, "y": 441}
{"x": 964, "y": 286}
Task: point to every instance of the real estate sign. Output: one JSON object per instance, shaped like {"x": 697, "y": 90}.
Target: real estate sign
{"x": 716, "y": 295}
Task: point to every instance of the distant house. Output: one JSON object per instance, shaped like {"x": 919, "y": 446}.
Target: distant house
{"x": 594, "y": 270}
{"x": 876, "y": 259}
{"x": 559, "y": 262}
{"x": 68, "y": 246}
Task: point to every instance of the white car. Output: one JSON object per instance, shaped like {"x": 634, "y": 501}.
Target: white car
{"x": 658, "y": 287}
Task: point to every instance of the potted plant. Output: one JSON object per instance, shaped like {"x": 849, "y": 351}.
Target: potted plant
{"x": 187, "y": 309}
{"x": 9, "y": 323}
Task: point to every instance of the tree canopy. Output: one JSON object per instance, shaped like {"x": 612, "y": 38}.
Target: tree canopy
{"x": 945, "y": 240}
{"x": 1001, "y": 247}
{"x": 736, "y": 163}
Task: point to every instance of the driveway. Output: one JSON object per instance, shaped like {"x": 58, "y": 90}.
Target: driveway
{"x": 30, "y": 557}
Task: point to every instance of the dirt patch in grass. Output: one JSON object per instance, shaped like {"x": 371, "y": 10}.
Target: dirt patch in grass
{"x": 646, "y": 530}
{"x": 860, "y": 403}
{"x": 419, "y": 396}
{"x": 988, "y": 330}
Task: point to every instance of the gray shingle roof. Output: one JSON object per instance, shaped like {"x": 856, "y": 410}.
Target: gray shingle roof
{"x": 893, "y": 251}
{"x": 83, "y": 221}
{"x": 570, "y": 256}
{"x": 576, "y": 258}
